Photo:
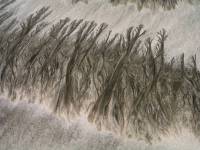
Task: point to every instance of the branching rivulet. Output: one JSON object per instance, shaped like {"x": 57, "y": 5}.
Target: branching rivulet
{"x": 122, "y": 82}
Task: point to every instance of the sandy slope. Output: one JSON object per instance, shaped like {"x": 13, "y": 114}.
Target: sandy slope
{"x": 182, "y": 24}
{"x": 29, "y": 127}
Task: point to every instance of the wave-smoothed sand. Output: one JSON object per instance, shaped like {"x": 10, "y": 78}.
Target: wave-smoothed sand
{"x": 28, "y": 126}
{"x": 182, "y": 23}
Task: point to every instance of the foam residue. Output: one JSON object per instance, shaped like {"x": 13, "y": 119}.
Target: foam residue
{"x": 28, "y": 126}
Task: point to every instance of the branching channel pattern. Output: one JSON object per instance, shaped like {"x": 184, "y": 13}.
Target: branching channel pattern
{"x": 122, "y": 82}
